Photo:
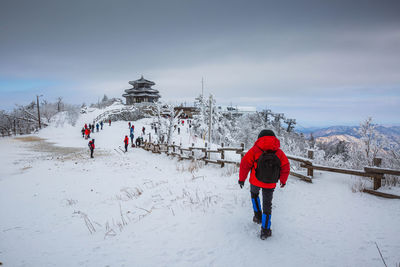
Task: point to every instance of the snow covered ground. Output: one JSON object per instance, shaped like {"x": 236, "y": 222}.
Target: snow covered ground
{"x": 60, "y": 208}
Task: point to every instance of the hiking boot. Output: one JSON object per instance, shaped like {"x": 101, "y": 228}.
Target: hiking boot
{"x": 257, "y": 217}
{"x": 265, "y": 233}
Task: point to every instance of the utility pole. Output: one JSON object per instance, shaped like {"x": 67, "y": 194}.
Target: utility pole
{"x": 38, "y": 109}
{"x": 210, "y": 121}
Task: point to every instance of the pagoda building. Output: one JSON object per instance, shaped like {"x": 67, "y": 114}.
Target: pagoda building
{"x": 141, "y": 92}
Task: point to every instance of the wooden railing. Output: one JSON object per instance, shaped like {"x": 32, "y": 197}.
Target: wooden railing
{"x": 376, "y": 173}
{"x": 189, "y": 152}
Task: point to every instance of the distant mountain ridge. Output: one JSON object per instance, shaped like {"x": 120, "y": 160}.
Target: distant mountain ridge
{"x": 339, "y": 133}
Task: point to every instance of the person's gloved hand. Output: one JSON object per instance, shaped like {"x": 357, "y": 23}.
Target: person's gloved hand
{"x": 282, "y": 185}
{"x": 241, "y": 183}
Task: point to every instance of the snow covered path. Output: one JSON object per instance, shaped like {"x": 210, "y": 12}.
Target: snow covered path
{"x": 145, "y": 209}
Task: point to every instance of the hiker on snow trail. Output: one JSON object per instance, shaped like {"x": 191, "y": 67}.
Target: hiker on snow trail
{"x": 144, "y": 130}
{"x": 83, "y": 132}
{"x": 267, "y": 164}
{"x": 126, "y": 142}
{"x": 132, "y": 136}
{"x": 87, "y": 133}
{"x": 137, "y": 142}
{"x": 91, "y": 147}
{"x": 97, "y": 126}
{"x": 109, "y": 122}
{"x": 101, "y": 125}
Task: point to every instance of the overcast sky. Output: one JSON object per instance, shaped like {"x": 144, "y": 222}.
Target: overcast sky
{"x": 320, "y": 62}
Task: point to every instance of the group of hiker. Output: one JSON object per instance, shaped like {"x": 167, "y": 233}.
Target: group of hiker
{"x": 138, "y": 141}
{"x": 182, "y": 122}
{"x": 89, "y": 128}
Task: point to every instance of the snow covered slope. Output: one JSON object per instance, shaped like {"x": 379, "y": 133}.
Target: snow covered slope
{"x": 334, "y": 139}
{"x": 60, "y": 208}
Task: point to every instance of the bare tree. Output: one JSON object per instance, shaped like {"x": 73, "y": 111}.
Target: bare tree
{"x": 59, "y": 104}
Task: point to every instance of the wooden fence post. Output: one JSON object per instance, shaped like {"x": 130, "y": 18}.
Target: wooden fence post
{"x": 241, "y": 155}
{"x": 222, "y": 155}
{"x": 205, "y": 153}
{"x": 378, "y": 177}
{"x": 192, "y": 150}
{"x": 173, "y": 148}
{"x": 310, "y": 154}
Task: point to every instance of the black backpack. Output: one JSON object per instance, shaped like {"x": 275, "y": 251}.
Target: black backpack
{"x": 268, "y": 167}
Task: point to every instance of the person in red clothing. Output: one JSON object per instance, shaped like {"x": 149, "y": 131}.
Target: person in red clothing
{"x": 126, "y": 142}
{"x": 273, "y": 166}
{"x": 91, "y": 147}
{"x": 86, "y": 133}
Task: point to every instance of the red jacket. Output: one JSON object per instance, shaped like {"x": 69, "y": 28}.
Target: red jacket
{"x": 249, "y": 161}
{"x": 91, "y": 144}
{"x": 126, "y": 140}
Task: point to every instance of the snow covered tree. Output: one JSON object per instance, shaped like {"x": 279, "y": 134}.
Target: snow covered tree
{"x": 221, "y": 126}
{"x": 172, "y": 120}
{"x": 48, "y": 110}
{"x": 200, "y": 120}
{"x": 370, "y": 140}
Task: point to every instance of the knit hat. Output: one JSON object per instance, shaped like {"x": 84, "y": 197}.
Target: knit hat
{"x": 266, "y": 132}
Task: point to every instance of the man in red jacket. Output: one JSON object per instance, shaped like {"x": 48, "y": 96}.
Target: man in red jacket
{"x": 91, "y": 147}
{"x": 126, "y": 142}
{"x": 267, "y": 164}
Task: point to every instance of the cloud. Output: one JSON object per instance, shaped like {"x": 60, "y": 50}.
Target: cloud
{"x": 295, "y": 57}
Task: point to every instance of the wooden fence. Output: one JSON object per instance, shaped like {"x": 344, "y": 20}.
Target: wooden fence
{"x": 376, "y": 173}
{"x": 189, "y": 152}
